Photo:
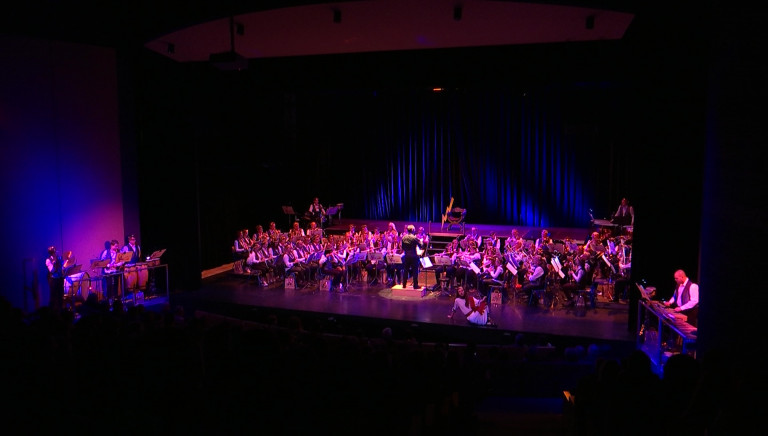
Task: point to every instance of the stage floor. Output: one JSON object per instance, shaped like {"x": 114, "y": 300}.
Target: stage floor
{"x": 375, "y": 305}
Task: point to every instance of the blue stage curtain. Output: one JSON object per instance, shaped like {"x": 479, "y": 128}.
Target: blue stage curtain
{"x": 542, "y": 158}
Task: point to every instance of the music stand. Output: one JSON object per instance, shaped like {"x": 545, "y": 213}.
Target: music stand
{"x": 333, "y": 210}
{"x": 157, "y": 254}
{"x": 74, "y": 269}
{"x": 375, "y": 256}
{"x": 98, "y": 265}
{"x": 394, "y": 259}
{"x": 644, "y": 294}
{"x": 511, "y": 268}
{"x": 124, "y": 257}
{"x": 426, "y": 262}
{"x": 442, "y": 260}
{"x": 288, "y": 210}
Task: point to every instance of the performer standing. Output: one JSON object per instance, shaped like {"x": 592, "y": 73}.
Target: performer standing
{"x": 316, "y": 212}
{"x": 685, "y": 298}
{"x": 111, "y": 278}
{"x": 409, "y": 244}
{"x": 55, "y": 279}
{"x": 133, "y": 247}
{"x": 625, "y": 214}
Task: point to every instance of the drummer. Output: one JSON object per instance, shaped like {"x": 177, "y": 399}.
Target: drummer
{"x": 133, "y": 247}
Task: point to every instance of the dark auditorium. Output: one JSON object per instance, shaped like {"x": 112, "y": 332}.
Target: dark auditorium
{"x": 388, "y": 217}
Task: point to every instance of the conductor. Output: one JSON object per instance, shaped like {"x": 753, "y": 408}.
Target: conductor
{"x": 409, "y": 245}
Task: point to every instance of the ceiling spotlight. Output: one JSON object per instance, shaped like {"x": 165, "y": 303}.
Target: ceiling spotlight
{"x": 170, "y": 49}
{"x": 457, "y": 13}
{"x": 337, "y": 16}
{"x": 240, "y": 29}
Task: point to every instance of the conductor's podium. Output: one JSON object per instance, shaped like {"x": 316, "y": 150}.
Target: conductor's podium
{"x": 399, "y": 291}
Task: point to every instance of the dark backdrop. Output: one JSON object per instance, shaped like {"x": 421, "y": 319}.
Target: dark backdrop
{"x": 516, "y": 136}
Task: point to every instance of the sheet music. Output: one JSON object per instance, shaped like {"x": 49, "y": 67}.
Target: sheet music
{"x": 511, "y": 268}
{"x": 425, "y": 262}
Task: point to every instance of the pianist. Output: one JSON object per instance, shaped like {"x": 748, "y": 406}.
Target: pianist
{"x": 685, "y": 299}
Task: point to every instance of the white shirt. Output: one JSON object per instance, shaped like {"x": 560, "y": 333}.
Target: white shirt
{"x": 474, "y": 317}
{"x": 693, "y": 293}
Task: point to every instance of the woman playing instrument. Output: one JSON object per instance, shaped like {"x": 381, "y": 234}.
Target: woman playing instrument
{"x": 490, "y": 275}
{"x": 465, "y": 273}
{"x": 449, "y": 270}
{"x": 474, "y": 310}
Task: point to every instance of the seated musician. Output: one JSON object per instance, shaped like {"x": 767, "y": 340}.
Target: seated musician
{"x": 293, "y": 264}
{"x": 578, "y": 279}
{"x": 685, "y": 299}
{"x": 474, "y": 310}
{"x": 490, "y": 250}
{"x": 536, "y": 277}
{"x": 394, "y": 270}
{"x": 334, "y": 268}
{"x": 315, "y": 252}
{"x": 491, "y": 275}
{"x": 392, "y": 231}
{"x": 296, "y": 231}
{"x": 273, "y": 231}
{"x": 475, "y": 235}
{"x": 355, "y": 267}
{"x": 258, "y": 261}
{"x": 351, "y": 235}
{"x": 543, "y": 245}
{"x": 493, "y": 240}
{"x": 450, "y": 252}
{"x": 514, "y": 242}
{"x": 313, "y": 230}
{"x": 374, "y": 267}
{"x": 464, "y": 273}
{"x": 242, "y": 247}
{"x": 422, "y": 236}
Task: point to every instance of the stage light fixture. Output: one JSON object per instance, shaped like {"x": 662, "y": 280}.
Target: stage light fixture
{"x": 170, "y": 48}
{"x": 337, "y": 16}
{"x": 240, "y": 29}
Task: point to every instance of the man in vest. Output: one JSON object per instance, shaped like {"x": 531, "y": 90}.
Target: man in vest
{"x": 685, "y": 298}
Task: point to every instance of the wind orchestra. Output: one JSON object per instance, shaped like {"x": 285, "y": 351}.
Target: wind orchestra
{"x": 512, "y": 263}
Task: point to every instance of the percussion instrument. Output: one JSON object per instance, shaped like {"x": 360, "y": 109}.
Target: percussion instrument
{"x": 77, "y": 284}
{"x": 70, "y": 260}
{"x": 136, "y": 277}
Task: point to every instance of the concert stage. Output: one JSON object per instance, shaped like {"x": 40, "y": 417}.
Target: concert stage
{"x": 374, "y": 307}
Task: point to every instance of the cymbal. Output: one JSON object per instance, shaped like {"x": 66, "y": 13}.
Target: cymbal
{"x": 70, "y": 259}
